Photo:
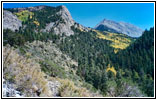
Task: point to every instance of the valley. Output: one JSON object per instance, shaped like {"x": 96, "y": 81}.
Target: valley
{"x": 47, "y": 54}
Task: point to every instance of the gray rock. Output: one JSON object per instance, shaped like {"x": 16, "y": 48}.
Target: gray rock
{"x": 9, "y": 90}
{"x": 131, "y": 91}
{"x": 81, "y": 27}
{"x": 125, "y": 91}
{"x": 54, "y": 87}
{"x": 10, "y": 21}
{"x": 65, "y": 14}
{"x": 48, "y": 27}
{"x": 60, "y": 28}
{"x": 119, "y": 27}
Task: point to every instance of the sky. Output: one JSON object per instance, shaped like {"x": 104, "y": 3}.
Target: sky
{"x": 90, "y": 14}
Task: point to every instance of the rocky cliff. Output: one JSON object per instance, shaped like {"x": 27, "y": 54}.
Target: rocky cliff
{"x": 65, "y": 27}
{"x": 60, "y": 28}
{"x": 10, "y": 21}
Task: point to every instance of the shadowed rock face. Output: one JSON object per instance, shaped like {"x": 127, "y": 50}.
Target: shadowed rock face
{"x": 119, "y": 27}
{"x": 11, "y": 21}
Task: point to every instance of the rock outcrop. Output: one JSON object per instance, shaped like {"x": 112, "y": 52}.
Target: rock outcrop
{"x": 10, "y": 21}
{"x": 54, "y": 87}
{"x": 9, "y": 90}
{"x": 64, "y": 27}
{"x": 119, "y": 27}
{"x": 60, "y": 28}
{"x": 126, "y": 91}
{"x": 81, "y": 27}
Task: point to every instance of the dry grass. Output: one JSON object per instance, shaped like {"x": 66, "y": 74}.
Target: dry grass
{"x": 24, "y": 72}
{"x": 69, "y": 89}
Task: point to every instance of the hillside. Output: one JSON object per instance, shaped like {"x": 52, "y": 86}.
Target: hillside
{"x": 55, "y": 56}
{"x": 140, "y": 57}
{"x": 42, "y": 76}
{"x": 119, "y": 41}
{"x": 98, "y": 63}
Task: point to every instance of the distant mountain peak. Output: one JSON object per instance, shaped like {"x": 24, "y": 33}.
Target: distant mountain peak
{"x": 119, "y": 27}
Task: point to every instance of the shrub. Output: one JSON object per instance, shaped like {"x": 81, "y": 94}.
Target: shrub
{"x": 68, "y": 89}
{"x": 52, "y": 69}
{"x": 24, "y": 72}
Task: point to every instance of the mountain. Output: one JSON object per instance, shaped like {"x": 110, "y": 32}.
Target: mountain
{"x": 44, "y": 19}
{"x": 119, "y": 27}
{"x": 51, "y": 55}
{"x": 51, "y": 73}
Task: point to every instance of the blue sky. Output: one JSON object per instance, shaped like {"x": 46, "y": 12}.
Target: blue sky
{"x": 90, "y": 14}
